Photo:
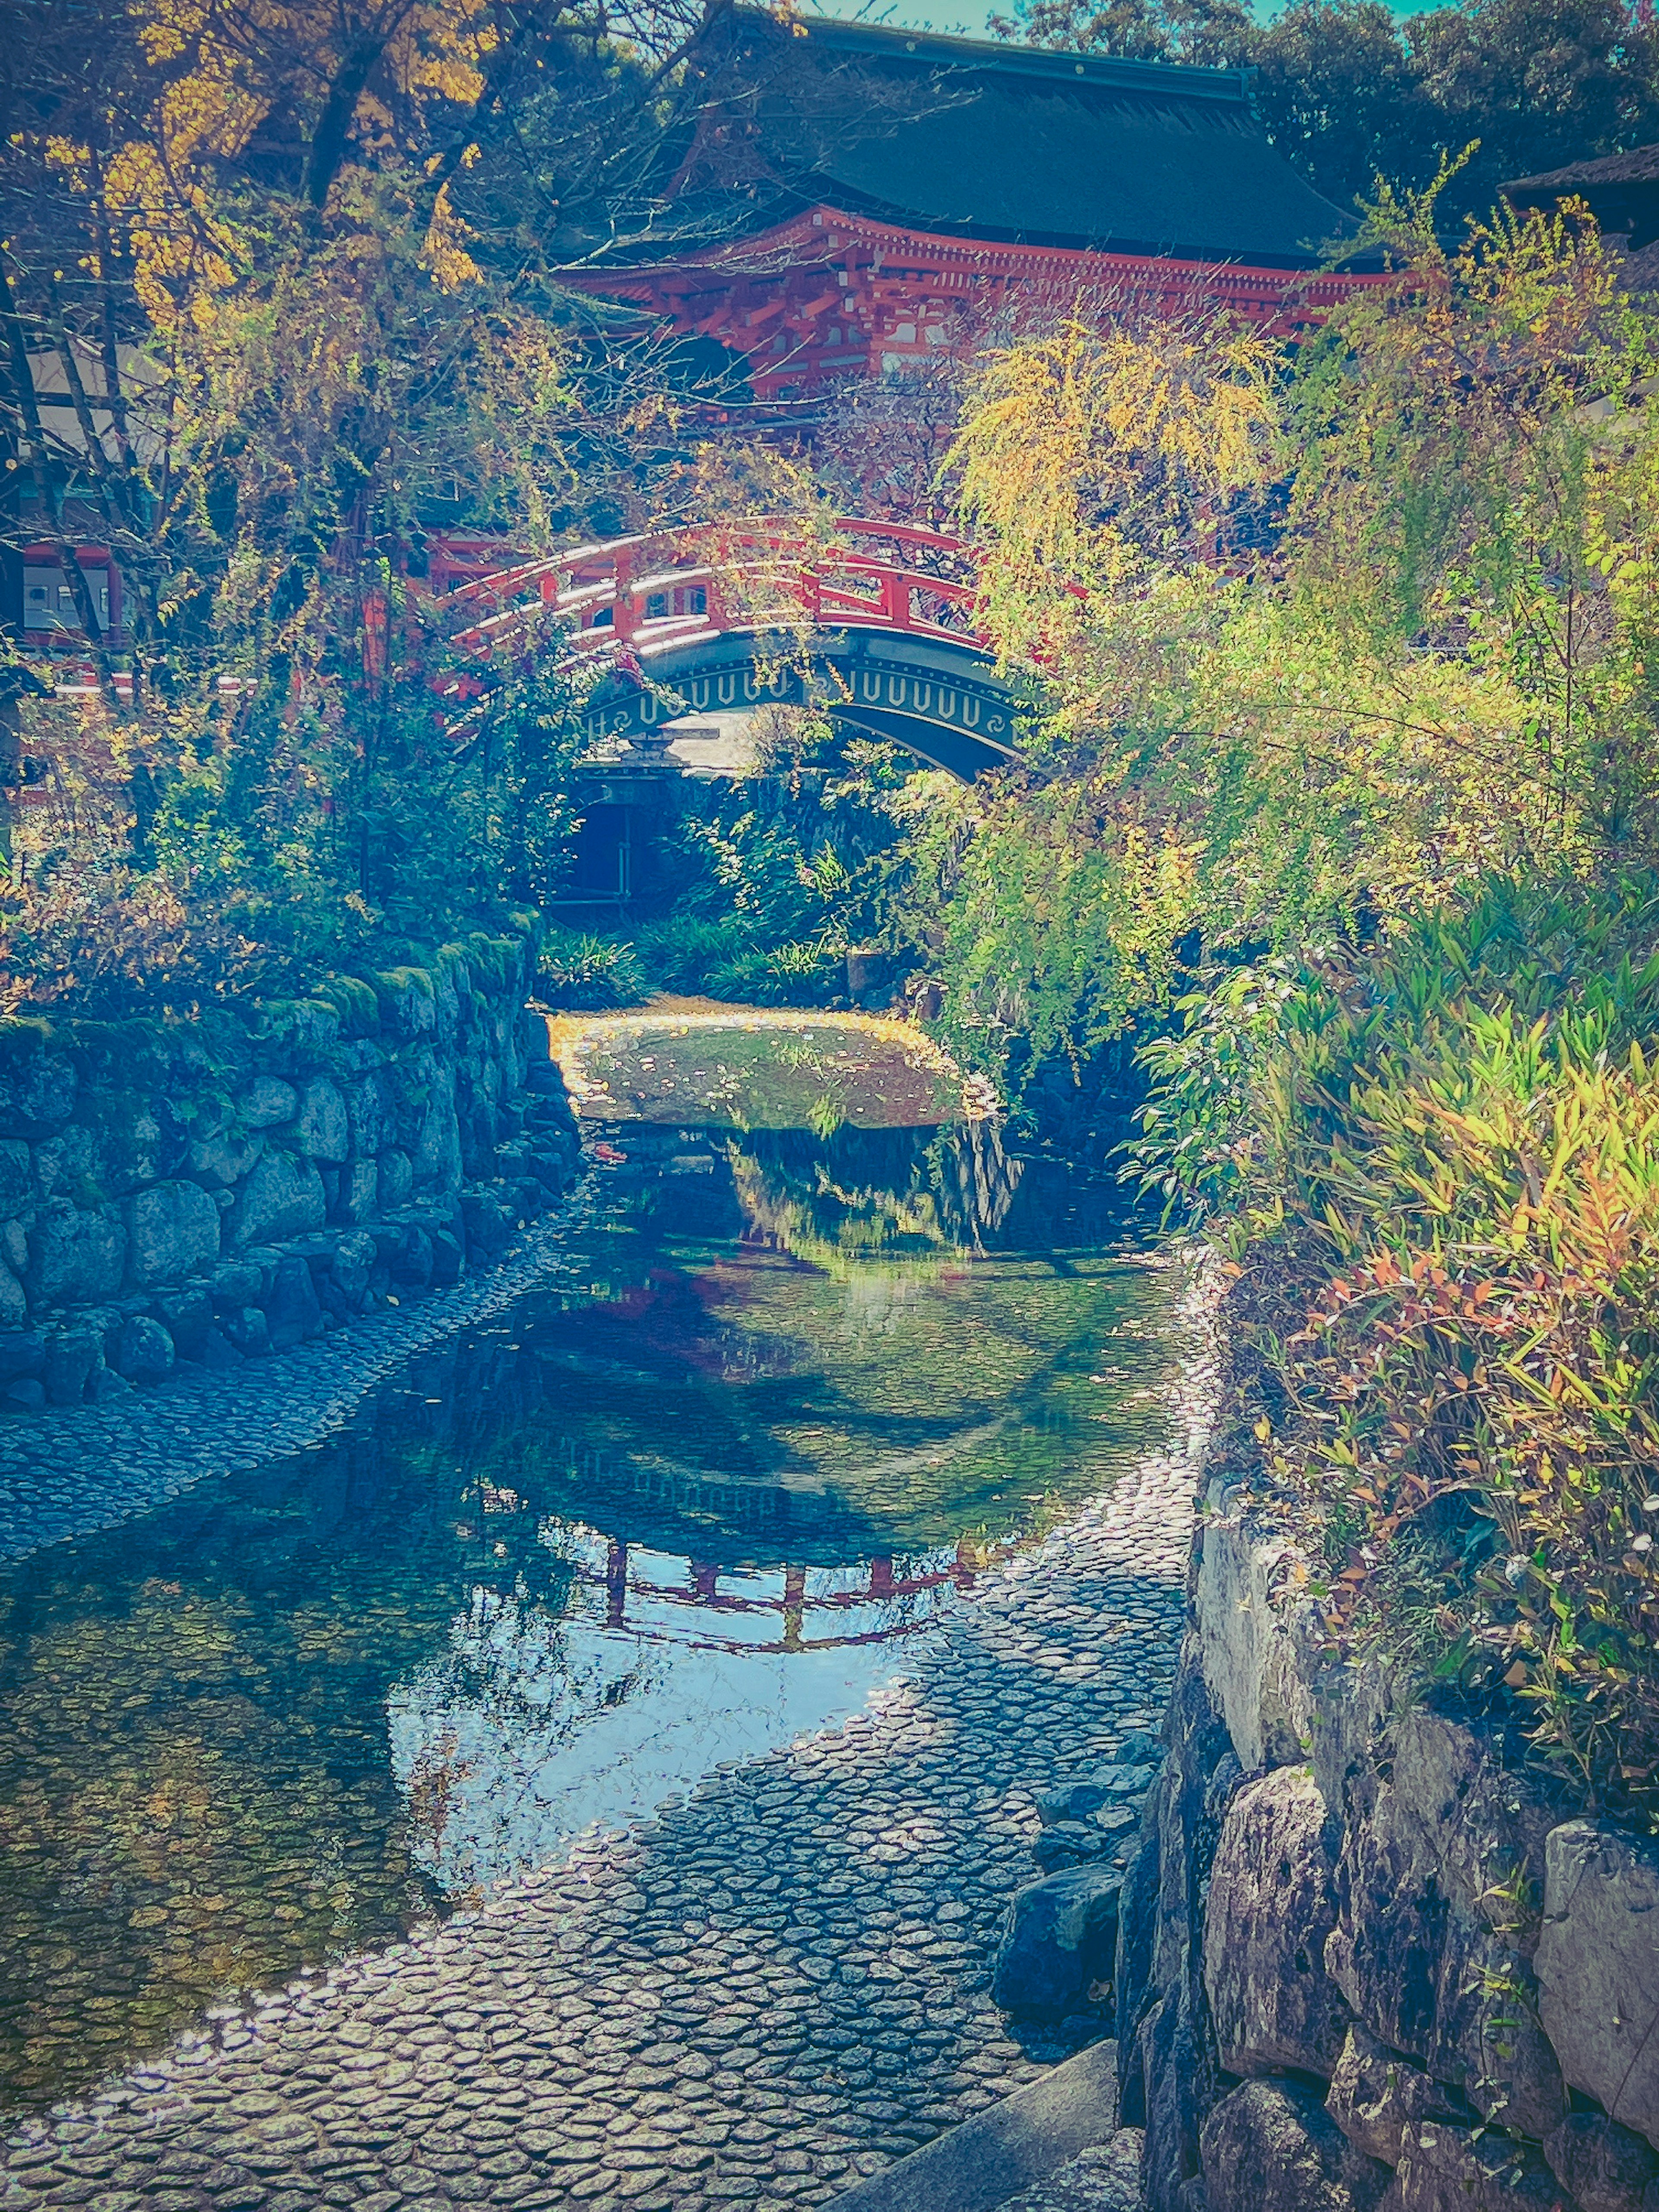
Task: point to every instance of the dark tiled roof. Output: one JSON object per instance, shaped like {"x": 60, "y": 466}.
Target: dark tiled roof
{"x": 1016, "y": 142}
{"x": 1639, "y": 167}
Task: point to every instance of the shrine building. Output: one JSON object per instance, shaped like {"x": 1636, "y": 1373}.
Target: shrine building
{"x": 989, "y": 176}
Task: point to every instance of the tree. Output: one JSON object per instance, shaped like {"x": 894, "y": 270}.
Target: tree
{"x": 1352, "y": 92}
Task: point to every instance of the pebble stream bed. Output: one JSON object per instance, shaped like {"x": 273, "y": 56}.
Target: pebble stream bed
{"x": 769, "y": 1989}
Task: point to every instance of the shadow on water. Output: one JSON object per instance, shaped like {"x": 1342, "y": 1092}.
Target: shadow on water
{"x": 793, "y": 1392}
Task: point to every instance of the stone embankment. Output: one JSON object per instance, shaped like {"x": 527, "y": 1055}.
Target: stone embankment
{"x": 208, "y": 1191}
{"x": 1366, "y": 1958}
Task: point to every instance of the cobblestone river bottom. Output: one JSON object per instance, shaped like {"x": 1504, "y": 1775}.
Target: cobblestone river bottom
{"x": 763, "y": 1994}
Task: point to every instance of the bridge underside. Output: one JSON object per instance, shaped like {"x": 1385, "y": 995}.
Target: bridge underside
{"x": 944, "y": 703}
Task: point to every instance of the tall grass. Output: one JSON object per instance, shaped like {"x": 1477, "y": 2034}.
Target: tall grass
{"x": 1432, "y": 1169}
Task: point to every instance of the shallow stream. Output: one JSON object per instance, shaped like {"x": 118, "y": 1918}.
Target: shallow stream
{"x": 818, "y": 1353}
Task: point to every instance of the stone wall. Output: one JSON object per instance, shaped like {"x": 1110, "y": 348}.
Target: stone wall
{"x": 217, "y": 1188}
{"x": 1367, "y": 1956}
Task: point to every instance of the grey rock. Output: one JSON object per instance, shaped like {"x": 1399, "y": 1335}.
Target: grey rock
{"x": 437, "y": 1155}
{"x": 396, "y": 1180}
{"x": 76, "y": 1255}
{"x": 490, "y": 1223}
{"x": 1250, "y": 1601}
{"x": 27, "y": 1396}
{"x": 237, "y": 1283}
{"x": 220, "y": 1161}
{"x": 1376, "y": 2095}
{"x": 13, "y": 1305}
{"x": 16, "y": 1175}
{"x": 1430, "y": 1816}
{"x": 1598, "y": 1968}
{"x": 411, "y": 1260}
{"x": 448, "y": 1258}
{"x": 1271, "y": 1908}
{"x": 173, "y": 1230}
{"x": 1069, "y": 1843}
{"x": 324, "y": 1128}
{"x": 283, "y": 1197}
{"x": 1021, "y": 2142}
{"x": 144, "y": 1350}
{"x": 248, "y": 1332}
{"x": 70, "y": 1359}
{"x": 1445, "y": 2169}
{"x": 1059, "y": 1936}
{"x": 267, "y": 1103}
{"x": 1602, "y": 2166}
{"x": 1272, "y": 2147}
{"x": 359, "y": 1192}
{"x": 292, "y": 1309}
{"x": 38, "y": 1088}
{"x": 368, "y": 1114}
{"x": 186, "y": 1314}
{"x": 1080, "y": 1799}
{"x": 352, "y": 1266}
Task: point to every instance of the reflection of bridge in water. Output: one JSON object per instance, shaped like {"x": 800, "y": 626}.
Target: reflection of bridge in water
{"x": 677, "y": 1597}
{"x": 681, "y": 1611}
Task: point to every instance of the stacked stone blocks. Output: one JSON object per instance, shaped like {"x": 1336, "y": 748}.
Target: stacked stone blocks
{"x": 1369, "y": 1958}
{"x": 217, "y": 1188}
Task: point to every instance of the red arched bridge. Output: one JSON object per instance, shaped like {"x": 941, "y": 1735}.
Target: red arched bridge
{"x": 875, "y": 625}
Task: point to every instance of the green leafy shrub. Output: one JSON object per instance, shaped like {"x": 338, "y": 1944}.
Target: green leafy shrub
{"x": 792, "y": 975}
{"x": 1433, "y": 1169}
{"x": 578, "y": 970}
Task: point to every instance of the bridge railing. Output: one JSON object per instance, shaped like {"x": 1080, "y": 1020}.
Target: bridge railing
{"x": 656, "y": 591}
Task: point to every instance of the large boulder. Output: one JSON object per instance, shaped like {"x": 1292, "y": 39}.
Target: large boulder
{"x": 1598, "y": 1968}
{"x": 1428, "y": 1950}
{"x": 76, "y": 1255}
{"x": 324, "y": 1130}
{"x": 1059, "y": 1938}
{"x": 359, "y": 1192}
{"x": 37, "y": 1089}
{"x": 16, "y": 1175}
{"x": 1375, "y": 2095}
{"x": 489, "y": 1225}
{"x": 267, "y": 1103}
{"x": 349, "y": 1271}
{"x": 187, "y": 1316}
{"x": 368, "y": 1112}
{"x": 283, "y": 1197}
{"x": 1445, "y": 2169}
{"x": 1252, "y": 1599}
{"x": 1602, "y": 2166}
{"x": 23, "y": 1354}
{"x": 144, "y": 1350}
{"x": 410, "y": 1259}
{"x": 396, "y": 1179}
{"x": 1271, "y": 2146}
{"x": 1270, "y": 1910}
{"x": 437, "y": 1154}
{"x": 292, "y": 1310}
{"x": 13, "y": 1304}
{"x": 71, "y": 1360}
{"x": 219, "y": 1158}
{"x": 173, "y": 1230}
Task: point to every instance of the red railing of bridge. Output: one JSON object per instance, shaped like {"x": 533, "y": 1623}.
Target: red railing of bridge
{"x": 667, "y": 588}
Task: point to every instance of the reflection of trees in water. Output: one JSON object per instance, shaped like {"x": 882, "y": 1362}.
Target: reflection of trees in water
{"x": 909, "y": 1198}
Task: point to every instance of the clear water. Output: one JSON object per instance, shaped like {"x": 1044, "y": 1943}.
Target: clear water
{"x": 788, "y": 1394}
